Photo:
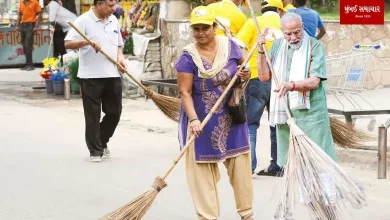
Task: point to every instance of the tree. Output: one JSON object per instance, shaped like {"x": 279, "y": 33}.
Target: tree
{"x": 329, "y": 5}
{"x": 321, "y": 3}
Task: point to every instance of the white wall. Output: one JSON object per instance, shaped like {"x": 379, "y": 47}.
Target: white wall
{"x": 78, "y": 6}
{"x": 174, "y": 9}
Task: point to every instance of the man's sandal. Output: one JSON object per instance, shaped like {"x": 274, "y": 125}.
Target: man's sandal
{"x": 266, "y": 172}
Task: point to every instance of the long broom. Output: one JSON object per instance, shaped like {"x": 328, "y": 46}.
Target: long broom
{"x": 344, "y": 134}
{"x": 322, "y": 184}
{"x": 137, "y": 208}
{"x": 168, "y": 105}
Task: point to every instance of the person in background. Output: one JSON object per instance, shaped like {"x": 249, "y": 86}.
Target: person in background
{"x": 29, "y": 13}
{"x": 70, "y": 5}
{"x": 230, "y": 15}
{"x": 119, "y": 12}
{"x": 59, "y": 17}
{"x": 258, "y": 92}
{"x": 288, "y": 5}
{"x": 310, "y": 18}
{"x": 204, "y": 70}
{"x": 101, "y": 84}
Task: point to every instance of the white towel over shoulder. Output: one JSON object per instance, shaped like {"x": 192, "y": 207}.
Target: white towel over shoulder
{"x": 300, "y": 65}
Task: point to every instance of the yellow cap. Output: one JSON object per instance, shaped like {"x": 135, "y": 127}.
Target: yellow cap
{"x": 202, "y": 15}
{"x": 274, "y": 3}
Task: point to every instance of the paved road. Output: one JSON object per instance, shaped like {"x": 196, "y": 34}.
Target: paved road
{"x": 45, "y": 173}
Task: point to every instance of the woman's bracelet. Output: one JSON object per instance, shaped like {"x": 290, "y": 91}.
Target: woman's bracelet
{"x": 194, "y": 119}
{"x": 261, "y": 52}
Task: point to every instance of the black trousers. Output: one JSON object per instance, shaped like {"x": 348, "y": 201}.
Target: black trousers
{"x": 27, "y": 32}
{"x": 101, "y": 94}
{"x": 58, "y": 41}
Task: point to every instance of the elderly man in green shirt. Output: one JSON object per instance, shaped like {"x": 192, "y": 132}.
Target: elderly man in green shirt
{"x": 299, "y": 63}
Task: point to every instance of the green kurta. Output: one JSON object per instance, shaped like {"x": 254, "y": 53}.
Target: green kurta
{"x": 315, "y": 121}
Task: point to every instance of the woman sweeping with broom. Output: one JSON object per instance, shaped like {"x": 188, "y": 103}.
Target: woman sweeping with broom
{"x": 204, "y": 70}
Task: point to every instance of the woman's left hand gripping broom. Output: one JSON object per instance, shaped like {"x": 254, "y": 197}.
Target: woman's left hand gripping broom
{"x": 137, "y": 208}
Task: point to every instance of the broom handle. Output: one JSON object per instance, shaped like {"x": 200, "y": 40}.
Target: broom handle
{"x": 274, "y": 77}
{"x": 222, "y": 25}
{"x": 210, "y": 114}
{"x": 219, "y": 22}
{"x": 108, "y": 57}
{"x": 245, "y": 84}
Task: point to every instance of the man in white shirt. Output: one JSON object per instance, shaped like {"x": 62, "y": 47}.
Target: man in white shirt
{"x": 100, "y": 79}
{"x": 59, "y": 17}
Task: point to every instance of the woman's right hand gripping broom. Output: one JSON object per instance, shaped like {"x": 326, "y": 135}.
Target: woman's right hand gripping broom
{"x": 195, "y": 127}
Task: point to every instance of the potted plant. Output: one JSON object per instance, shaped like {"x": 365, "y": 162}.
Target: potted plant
{"x": 57, "y": 77}
{"x": 48, "y": 65}
{"x": 45, "y": 74}
{"x": 73, "y": 67}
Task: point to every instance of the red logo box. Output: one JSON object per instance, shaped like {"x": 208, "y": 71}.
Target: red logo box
{"x": 362, "y": 12}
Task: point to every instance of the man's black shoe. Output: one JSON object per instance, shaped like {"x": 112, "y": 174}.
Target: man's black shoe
{"x": 30, "y": 68}
{"x": 266, "y": 172}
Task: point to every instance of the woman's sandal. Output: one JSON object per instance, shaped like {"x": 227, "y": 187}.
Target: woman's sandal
{"x": 248, "y": 217}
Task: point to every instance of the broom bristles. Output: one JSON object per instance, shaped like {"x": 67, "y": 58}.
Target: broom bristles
{"x": 137, "y": 208}
{"x": 317, "y": 180}
{"x": 168, "y": 105}
{"x": 346, "y": 135}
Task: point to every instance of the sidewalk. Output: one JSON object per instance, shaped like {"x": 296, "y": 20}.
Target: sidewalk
{"x": 17, "y": 75}
{"x": 367, "y": 100}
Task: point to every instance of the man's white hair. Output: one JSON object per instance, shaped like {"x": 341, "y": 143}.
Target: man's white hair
{"x": 289, "y": 16}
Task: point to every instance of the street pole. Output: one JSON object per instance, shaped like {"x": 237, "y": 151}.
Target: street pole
{"x": 382, "y": 152}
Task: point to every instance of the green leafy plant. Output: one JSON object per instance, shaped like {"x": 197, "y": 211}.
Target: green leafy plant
{"x": 128, "y": 47}
{"x": 73, "y": 66}
{"x": 324, "y": 5}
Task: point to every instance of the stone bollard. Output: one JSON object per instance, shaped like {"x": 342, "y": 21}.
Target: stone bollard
{"x": 67, "y": 89}
{"x": 382, "y": 152}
